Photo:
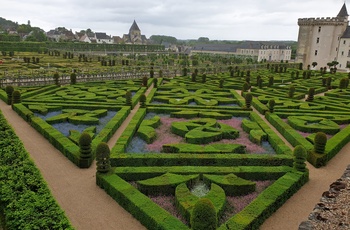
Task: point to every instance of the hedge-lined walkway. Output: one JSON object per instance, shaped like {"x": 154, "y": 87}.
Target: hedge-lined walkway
{"x": 89, "y": 207}
{"x": 86, "y": 205}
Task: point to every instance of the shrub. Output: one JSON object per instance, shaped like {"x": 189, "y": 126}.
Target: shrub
{"x": 9, "y": 90}
{"x": 320, "y": 142}
{"x": 291, "y": 91}
{"x": 204, "y": 78}
{"x": 311, "y": 94}
{"x": 248, "y": 100}
{"x": 128, "y": 98}
{"x": 16, "y": 97}
{"x": 300, "y": 155}
{"x": 155, "y": 83}
{"x": 143, "y": 100}
{"x": 194, "y": 77}
{"x": 56, "y": 77}
{"x": 203, "y": 216}
{"x": 73, "y": 78}
{"x": 221, "y": 83}
{"x": 271, "y": 79}
{"x": 103, "y": 158}
{"x": 151, "y": 73}
{"x": 271, "y": 105}
{"x": 144, "y": 81}
{"x": 85, "y": 145}
{"x": 343, "y": 83}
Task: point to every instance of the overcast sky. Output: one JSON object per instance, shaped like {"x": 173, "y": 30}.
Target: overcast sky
{"x": 183, "y": 19}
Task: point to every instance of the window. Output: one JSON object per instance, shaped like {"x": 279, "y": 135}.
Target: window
{"x": 318, "y": 40}
{"x": 319, "y": 29}
{"x": 344, "y": 42}
{"x": 342, "y": 53}
{"x": 349, "y": 53}
{"x": 315, "y": 52}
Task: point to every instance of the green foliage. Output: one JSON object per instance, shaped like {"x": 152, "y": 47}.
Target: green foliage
{"x": 221, "y": 83}
{"x": 320, "y": 142}
{"x": 128, "y": 98}
{"x": 143, "y": 100}
{"x": 311, "y": 94}
{"x": 9, "y": 90}
{"x": 291, "y": 91}
{"x": 16, "y": 97}
{"x": 56, "y": 78}
{"x": 203, "y": 216}
{"x": 272, "y": 103}
{"x": 248, "y": 100}
{"x": 102, "y": 158}
{"x": 300, "y": 155}
{"x": 26, "y": 201}
{"x": 144, "y": 81}
{"x": 85, "y": 145}
{"x": 73, "y": 78}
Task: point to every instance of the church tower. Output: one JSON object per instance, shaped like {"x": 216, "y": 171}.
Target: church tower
{"x": 319, "y": 38}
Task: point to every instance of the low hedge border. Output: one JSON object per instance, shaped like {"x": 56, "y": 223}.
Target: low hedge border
{"x": 245, "y": 172}
{"x": 23, "y": 190}
{"x": 139, "y": 205}
{"x": 288, "y": 132}
{"x": 186, "y": 159}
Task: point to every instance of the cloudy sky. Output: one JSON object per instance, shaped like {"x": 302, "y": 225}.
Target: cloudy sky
{"x": 183, "y": 19}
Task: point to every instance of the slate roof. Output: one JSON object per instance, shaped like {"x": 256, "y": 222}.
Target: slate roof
{"x": 346, "y": 33}
{"x": 343, "y": 11}
{"x": 134, "y": 26}
{"x": 102, "y": 36}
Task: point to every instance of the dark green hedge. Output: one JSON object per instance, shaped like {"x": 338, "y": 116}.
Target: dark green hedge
{"x": 25, "y": 199}
{"x": 273, "y": 197}
{"x": 139, "y": 205}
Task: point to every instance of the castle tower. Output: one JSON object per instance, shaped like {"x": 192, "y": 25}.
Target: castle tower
{"x": 134, "y": 31}
{"x": 319, "y": 38}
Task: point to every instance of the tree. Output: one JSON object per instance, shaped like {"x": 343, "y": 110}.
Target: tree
{"x": 314, "y": 64}
{"x": 103, "y": 158}
{"x": 204, "y": 215}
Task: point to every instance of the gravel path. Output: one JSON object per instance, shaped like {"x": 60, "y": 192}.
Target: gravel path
{"x": 89, "y": 207}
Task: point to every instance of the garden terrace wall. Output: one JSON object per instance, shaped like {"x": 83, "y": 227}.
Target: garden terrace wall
{"x": 20, "y": 174}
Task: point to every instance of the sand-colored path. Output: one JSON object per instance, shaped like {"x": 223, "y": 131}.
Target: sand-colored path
{"x": 89, "y": 207}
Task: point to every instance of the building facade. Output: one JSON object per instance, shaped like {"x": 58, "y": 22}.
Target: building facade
{"x": 134, "y": 36}
{"x": 323, "y": 40}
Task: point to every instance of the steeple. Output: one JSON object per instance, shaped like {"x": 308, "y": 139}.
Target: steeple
{"x": 343, "y": 12}
{"x": 134, "y": 27}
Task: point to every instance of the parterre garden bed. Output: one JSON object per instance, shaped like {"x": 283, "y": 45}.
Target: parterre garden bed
{"x": 195, "y": 138}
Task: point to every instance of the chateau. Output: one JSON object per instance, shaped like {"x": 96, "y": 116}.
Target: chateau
{"x": 324, "y": 40}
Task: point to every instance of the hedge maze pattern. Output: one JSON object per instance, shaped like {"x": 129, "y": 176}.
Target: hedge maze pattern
{"x": 200, "y": 117}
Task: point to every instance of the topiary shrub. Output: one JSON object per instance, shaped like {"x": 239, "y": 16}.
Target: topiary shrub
{"x": 9, "y": 90}
{"x": 311, "y": 94}
{"x": 143, "y": 101}
{"x": 194, "y": 77}
{"x": 73, "y": 78}
{"x": 248, "y": 100}
{"x": 203, "y": 216}
{"x": 320, "y": 142}
{"x": 155, "y": 83}
{"x": 144, "y": 81}
{"x": 128, "y": 98}
{"x": 56, "y": 78}
{"x": 300, "y": 155}
{"x": 221, "y": 83}
{"x": 291, "y": 91}
{"x": 204, "y": 78}
{"x": 271, "y": 80}
{"x": 151, "y": 73}
{"x": 85, "y": 145}
{"x": 16, "y": 97}
{"x": 271, "y": 105}
{"x": 103, "y": 158}
{"x": 343, "y": 83}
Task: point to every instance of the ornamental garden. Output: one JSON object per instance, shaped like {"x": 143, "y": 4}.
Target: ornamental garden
{"x": 201, "y": 150}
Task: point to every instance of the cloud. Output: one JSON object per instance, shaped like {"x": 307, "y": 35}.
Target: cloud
{"x": 220, "y": 20}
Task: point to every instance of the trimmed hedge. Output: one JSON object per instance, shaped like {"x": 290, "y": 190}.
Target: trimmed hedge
{"x": 139, "y": 205}
{"x": 25, "y": 199}
{"x": 273, "y": 197}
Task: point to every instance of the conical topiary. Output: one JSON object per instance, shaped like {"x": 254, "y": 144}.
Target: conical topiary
{"x": 320, "y": 142}
{"x": 204, "y": 216}
{"x": 143, "y": 100}
{"x": 103, "y": 158}
{"x": 310, "y": 96}
{"x": 9, "y": 90}
{"x": 128, "y": 98}
{"x": 248, "y": 100}
{"x": 300, "y": 155}
{"x": 16, "y": 97}
{"x": 85, "y": 145}
{"x": 272, "y": 105}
